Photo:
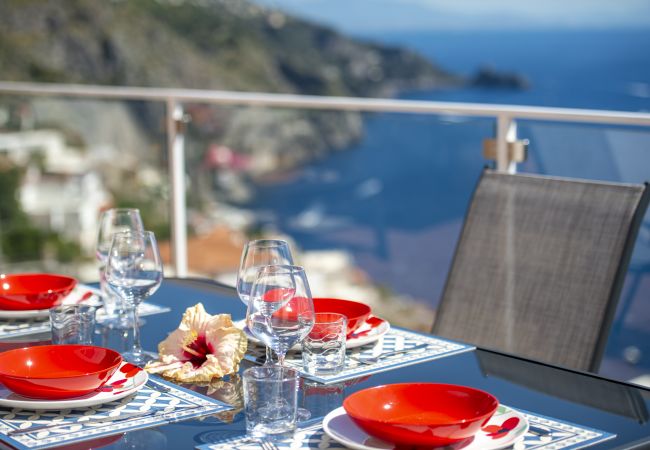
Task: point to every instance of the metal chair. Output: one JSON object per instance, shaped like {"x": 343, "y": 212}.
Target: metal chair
{"x": 539, "y": 266}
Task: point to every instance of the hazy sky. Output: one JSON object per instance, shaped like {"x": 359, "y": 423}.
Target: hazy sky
{"x": 359, "y": 16}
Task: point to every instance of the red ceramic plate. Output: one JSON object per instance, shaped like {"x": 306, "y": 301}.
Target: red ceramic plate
{"x": 55, "y": 372}
{"x": 30, "y": 291}
{"x": 421, "y": 414}
{"x": 356, "y": 312}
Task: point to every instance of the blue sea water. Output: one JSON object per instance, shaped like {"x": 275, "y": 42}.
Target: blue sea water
{"x": 607, "y": 69}
{"x": 395, "y": 201}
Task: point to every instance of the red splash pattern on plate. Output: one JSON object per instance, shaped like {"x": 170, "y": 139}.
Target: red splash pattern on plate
{"x": 129, "y": 370}
{"x": 371, "y": 323}
{"x": 499, "y": 431}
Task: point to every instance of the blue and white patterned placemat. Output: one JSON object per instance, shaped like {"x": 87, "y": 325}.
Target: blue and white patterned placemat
{"x": 166, "y": 401}
{"x": 11, "y": 328}
{"x": 544, "y": 433}
{"x": 394, "y": 339}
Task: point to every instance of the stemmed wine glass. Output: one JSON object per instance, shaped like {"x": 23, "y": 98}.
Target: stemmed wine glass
{"x": 116, "y": 220}
{"x": 257, "y": 254}
{"x": 134, "y": 270}
{"x": 280, "y": 309}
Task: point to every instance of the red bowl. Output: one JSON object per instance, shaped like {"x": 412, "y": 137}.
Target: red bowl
{"x": 421, "y": 414}
{"x": 57, "y": 371}
{"x": 356, "y": 312}
{"x": 28, "y": 291}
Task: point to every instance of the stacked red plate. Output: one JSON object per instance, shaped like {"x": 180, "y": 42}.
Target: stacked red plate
{"x": 33, "y": 291}
{"x": 363, "y": 327}
{"x": 57, "y": 371}
{"x": 421, "y": 414}
{"x": 357, "y": 313}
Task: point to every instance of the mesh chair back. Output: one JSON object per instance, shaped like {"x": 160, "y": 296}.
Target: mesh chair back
{"x": 539, "y": 266}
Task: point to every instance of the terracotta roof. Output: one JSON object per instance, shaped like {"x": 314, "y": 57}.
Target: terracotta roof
{"x": 212, "y": 253}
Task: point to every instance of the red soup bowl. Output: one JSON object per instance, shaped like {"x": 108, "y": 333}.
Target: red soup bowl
{"x": 28, "y": 291}
{"x": 357, "y": 313}
{"x": 56, "y": 372}
{"x": 421, "y": 414}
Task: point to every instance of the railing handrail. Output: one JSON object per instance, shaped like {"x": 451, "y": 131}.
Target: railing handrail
{"x": 329, "y": 103}
{"x": 505, "y": 115}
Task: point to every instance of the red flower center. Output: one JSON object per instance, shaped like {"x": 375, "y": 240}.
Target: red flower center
{"x": 197, "y": 351}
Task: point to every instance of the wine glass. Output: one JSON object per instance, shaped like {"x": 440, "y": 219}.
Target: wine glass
{"x": 280, "y": 309}
{"x": 116, "y": 220}
{"x": 134, "y": 270}
{"x": 256, "y": 254}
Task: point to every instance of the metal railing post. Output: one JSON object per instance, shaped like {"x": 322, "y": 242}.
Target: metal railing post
{"x": 506, "y": 132}
{"x": 176, "y": 162}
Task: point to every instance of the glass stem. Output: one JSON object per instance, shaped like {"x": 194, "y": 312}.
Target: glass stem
{"x": 269, "y": 357}
{"x": 136, "y": 347}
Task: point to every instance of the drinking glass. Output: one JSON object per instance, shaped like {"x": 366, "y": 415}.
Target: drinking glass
{"x": 134, "y": 270}
{"x": 257, "y": 254}
{"x": 323, "y": 349}
{"x": 280, "y": 309}
{"x": 270, "y": 399}
{"x": 72, "y": 324}
{"x": 116, "y": 220}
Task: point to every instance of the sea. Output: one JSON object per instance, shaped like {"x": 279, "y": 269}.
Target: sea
{"x": 395, "y": 200}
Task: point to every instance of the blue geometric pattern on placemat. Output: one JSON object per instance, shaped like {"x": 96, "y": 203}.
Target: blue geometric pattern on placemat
{"x": 552, "y": 434}
{"x": 394, "y": 339}
{"x": 174, "y": 405}
{"x": 544, "y": 433}
{"x": 11, "y": 328}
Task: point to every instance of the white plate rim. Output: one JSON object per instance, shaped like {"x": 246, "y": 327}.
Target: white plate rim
{"x": 75, "y": 296}
{"x": 93, "y": 399}
{"x": 376, "y": 333}
{"x": 340, "y": 411}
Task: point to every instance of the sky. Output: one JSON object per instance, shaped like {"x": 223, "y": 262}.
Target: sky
{"x": 363, "y": 16}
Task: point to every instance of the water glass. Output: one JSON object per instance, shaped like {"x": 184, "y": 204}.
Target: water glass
{"x": 280, "y": 310}
{"x": 134, "y": 270}
{"x": 257, "y": 254}
{"x": 72, "y": 324}
{"x": 112, "y": 221}
{"x": 271, "y": 400}
{"x": 323, "y": 349}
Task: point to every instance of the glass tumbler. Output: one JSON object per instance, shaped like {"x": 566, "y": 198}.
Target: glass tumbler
{"x": 323, "y": 350}
{"x": 72, "y": 324}
{"x": 271, "y": 400}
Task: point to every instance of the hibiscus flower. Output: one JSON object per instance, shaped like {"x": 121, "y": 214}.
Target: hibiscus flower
{"x": 202, "y": 348}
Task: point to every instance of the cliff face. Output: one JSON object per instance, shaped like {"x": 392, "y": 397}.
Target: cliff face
{"x": 207, "y": 44}
{"x": 211, "y": 44}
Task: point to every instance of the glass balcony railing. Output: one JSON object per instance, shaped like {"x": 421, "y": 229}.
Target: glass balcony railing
{"x": 370, "y": 192}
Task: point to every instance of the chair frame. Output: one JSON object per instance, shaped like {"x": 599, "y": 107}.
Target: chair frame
{"x": 619, "y": 277}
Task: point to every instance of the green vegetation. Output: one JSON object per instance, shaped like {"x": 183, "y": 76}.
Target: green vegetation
{"x": 19, "y": 239}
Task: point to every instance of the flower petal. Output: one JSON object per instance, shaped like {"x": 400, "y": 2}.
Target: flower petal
{"x": 202, "y": 348}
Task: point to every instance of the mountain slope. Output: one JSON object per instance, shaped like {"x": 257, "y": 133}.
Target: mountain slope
{"x": 216, "y": 44}
{"x": 207, "y": 44}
